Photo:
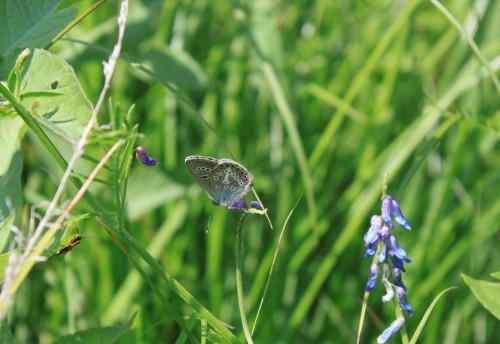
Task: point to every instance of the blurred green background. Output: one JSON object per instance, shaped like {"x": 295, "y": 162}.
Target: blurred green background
{"x": 337, "y": 94}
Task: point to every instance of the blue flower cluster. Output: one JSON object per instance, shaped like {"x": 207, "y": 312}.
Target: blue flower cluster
{"x": 379, "y": 234}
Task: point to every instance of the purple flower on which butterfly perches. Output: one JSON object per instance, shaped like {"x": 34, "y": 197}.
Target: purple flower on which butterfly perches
{"x": 144, "y": 158}
{"x": 239, "y": 204}
{"x": 379, "y": 237}
{"x": 256, "y": 205}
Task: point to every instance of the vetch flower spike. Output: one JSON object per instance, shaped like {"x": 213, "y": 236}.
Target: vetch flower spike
{"x": 144, "y": 158}
{"x": 381, "y": 236}
{"x": 395, "y": 326}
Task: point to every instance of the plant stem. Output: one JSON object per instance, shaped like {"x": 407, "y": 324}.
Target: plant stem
{"x": 239, "y": 277}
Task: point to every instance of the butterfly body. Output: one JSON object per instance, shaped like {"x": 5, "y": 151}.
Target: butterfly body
{"x": 224, "y": 181}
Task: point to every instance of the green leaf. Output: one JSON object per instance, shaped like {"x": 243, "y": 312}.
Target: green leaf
{"x": 174, "y": 67}
{"x": 427, "y": 314}
{"x": 98, "y": 335}
{"x": 52, "y": 93}
{"x": 487, "y": 293}
{"x": 496, "y": 275}
{"x": 11, "y": 163}
{"x": 28, "y": 24}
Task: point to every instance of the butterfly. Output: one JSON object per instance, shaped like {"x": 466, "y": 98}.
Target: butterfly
{"x": 225, "y": 181}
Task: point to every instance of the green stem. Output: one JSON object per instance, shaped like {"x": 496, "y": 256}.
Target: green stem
{"x": 73, "y": 23}
{"x": 239, "y": 277}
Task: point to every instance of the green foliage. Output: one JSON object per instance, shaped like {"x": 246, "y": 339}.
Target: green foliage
{"x": 101, "y": 335}
{"x": 487, "y": 293}
{"x": 321, "y": 99}
{"x": 32, "y": 24}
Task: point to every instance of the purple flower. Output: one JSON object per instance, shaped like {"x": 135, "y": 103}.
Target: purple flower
{"x": 371, "y": 236}
{"x": 391, "y": 208}
{"x": 397, "y": 262}
{"x": 239, "y": 204}
{"x": 384, "y": 234}
{"x": 372, "y": 281}
{"x": 403, "y": 301}
{"x": 370, "y": 250}
{"x": 398, "y": 251}
{"x": 382, "y": 254}
{"x": 395, "y": 326}
{"x": 371, "y": 240}
{"x": 256, "y": 205}
{"x": 398, "y": 216}
{"x": 143, "y": 157}
{"x": 398, "y": 279}
{"x": 387, "y": 211}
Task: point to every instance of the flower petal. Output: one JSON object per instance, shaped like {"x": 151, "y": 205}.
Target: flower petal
{"x": 144, "y": 158}
{"x": 387, "y": 211}
{"x": 400, "y": 253}
{"x": 382, "y": 254}
{"x": 395, "y": 326}
{"x": 256, "y": 205}
{"x": 239, "y": 204}
{"x": 372, "y": 281}
{"x": 403, "y": 301}
{"x": 398, "y": 216}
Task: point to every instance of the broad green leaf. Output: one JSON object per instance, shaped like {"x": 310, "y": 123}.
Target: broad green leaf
{"x": 98, "y": 335}
{"x": 496, "y": 275}
{"x": 174, "y": 67}
{"x": 487, "y": 293}
{"x": 28, "y": 24}
{"x": 10, "y": 136}
{"x": 148, "y": 188}
{"x": 52, "y": 93}
{"x": 11, "y": 163}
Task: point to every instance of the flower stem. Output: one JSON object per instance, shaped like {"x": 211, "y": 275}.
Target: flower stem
{"x": 239, "y": 278}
